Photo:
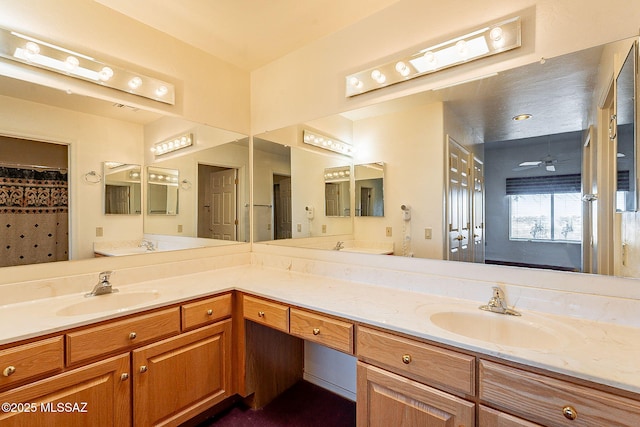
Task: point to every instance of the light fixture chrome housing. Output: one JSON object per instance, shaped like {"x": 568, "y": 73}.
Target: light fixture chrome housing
{"x": 49, "y": 56}
{"x": 486, "y": 41}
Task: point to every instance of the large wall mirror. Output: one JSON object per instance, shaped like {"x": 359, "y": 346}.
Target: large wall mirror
{"x": 109, "y": 144}
{"x": 530, "y": 145}
{"x": 122, "y": 188}
{"x": 625, "y": 132}
{"x": 290, "y": 189}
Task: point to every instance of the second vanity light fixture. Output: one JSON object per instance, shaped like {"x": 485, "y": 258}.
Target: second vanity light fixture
{"x": 172, "y": 144}
{"x": 49, "y": 56}
{"x": 486, "y": 41}
{"x": 327, "y": 143}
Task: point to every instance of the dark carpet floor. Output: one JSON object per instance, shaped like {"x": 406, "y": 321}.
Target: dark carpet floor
{"x": 303, "y": 405}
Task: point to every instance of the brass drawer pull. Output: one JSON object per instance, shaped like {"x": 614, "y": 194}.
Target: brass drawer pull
{"x": 132, "y": 336}
{"x": 209, "y": 312}
{"x": 406, "y": 359}
{"x": 261, "y": 314}
{"x": 9, "y": 370}
{"x": 569, "y": 412}
{"x": 143, "y": 369}
{"x": 124, "y": 377}
{"x": 316, "y": 331}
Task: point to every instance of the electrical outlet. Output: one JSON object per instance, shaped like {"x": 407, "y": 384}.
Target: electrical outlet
{"x": 324, "y": 228}
{"x": 269, "y": 227}
{"x": 179, "y": 228}
{"x": 428, "y": 233}
{"x": 299, "y": 228}
{"x": 99, "y": 232}
{"x": 389, "y": 231}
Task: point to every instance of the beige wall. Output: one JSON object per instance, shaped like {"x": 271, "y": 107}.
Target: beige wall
{"x": 208, "y": 90}
{"x": 309, "y": 83}
{"x": 403, "y": 140}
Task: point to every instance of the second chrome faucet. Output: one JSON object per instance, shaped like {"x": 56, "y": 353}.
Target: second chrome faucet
{"x": 498, "y": 304}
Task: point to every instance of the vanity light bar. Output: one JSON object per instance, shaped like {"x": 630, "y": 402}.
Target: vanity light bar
{"x": 337, "y": 174}
{"x": 176, "y": 143}
{"x": 327, "y": 143}
{"x": 486, "y": 41}
{"x": 38, "y": 53}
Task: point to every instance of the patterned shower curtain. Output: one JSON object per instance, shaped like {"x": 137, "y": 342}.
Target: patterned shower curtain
{"x": 34, "y": 210}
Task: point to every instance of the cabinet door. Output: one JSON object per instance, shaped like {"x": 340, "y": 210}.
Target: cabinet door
{"x": 95, "y": 395}
{"x": 385, "y": 399}
{"x": 177, "y": 378}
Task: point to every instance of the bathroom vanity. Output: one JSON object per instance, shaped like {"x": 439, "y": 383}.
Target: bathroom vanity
{"x": 186, "y": 343}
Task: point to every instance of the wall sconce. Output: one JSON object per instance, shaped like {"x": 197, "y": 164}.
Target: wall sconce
{"x": 176, "y": 143}
{"x": 486, "y": 41}
{"x": 39, "y": 53}
{"x": 327, "y": 143}
{"x": 168, "y": 177}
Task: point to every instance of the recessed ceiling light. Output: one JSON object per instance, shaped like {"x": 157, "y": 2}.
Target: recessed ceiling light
{"x": 521, "y": 117}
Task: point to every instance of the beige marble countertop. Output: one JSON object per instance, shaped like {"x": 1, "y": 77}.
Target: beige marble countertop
{"x": 605, "y": 353}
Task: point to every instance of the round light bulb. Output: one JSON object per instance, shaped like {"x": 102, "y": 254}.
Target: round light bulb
{"x": 31, "y": 49}
{"x": 403, "y": 69}
{"x": 71, "y": 63}
{"x": 355, "y": 82}
{"x": 495, "y": 34}
{"x": 162, "y": 91}
{"x": 135, "y": 83}
{"x": 105, "y": 74}
{"x": 378, "y": 76}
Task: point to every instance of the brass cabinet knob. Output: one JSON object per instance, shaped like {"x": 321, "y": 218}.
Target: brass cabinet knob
{"x": 209, "y": 312}
{"x": 569, "y": 412}
{"x": 132, "y": 336}
{"x": 316, "y": 331}
{"x": 261, "y": 314}
{"x": 124, "y": 377}
{"x": 406, "y": 359}
{"x": 9, "y": 370}
{"x": 143, "y": 369}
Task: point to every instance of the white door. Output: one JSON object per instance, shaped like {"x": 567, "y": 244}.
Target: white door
{"x": 477, "y": 209}
{"x": 458, "y": 211}
{"x": 223, "y": 204}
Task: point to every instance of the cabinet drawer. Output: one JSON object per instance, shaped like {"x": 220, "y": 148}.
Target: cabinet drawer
{"x": 266, "y": 313}
{"x": 491, "y": 418}
{"x": 417, "y": 360}
{"x": 20, "y": 363}
{"x": 545, "y": 400}
{"x": 207, "y": 311}
{"x": 323, "y": 330}
{"x": 121, "y": 335}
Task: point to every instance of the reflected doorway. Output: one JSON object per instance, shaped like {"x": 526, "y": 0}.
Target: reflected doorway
{"x": 282, "y": 222}
{"x": 217, "y": 202}
{"x": 34, "y": 201}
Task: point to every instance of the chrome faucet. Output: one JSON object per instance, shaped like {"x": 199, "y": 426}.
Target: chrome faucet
{"x": 147, "y": 244}
{"x": 103, "y": 286}
{"x": 338, "y": 246}
{"x": 498, "y": 304}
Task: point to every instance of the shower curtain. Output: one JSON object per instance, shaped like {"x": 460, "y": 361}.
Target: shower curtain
{"x": 34, "y": 210}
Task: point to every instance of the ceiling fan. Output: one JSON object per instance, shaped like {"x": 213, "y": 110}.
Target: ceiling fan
{"x": 548, "y": 162}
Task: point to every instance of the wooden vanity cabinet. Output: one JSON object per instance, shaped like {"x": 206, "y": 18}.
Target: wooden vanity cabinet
{"x": 95, "y": 395}
{"x": 551, "y": 401}
{"x": 386, "y": 399}
{"x": 179, "y": 377}
{"x": 28, "y": 362}
{"x": 401, "y": 382}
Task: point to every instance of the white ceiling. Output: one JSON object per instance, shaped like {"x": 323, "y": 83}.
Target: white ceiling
{"x": 248, "y": 33}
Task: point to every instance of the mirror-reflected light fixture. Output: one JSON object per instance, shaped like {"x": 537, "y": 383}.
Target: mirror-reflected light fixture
{"x": 340, "y": 173}
{"x": 489, "y": 40}
{"x": 42, "y": 54}
{"x": 332, "y": 144}
{"x": 170, "y": 145}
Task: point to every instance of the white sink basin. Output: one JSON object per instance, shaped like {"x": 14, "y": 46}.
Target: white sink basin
{"x": 117, "y": 301}
{"x": 513, "y": 331}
